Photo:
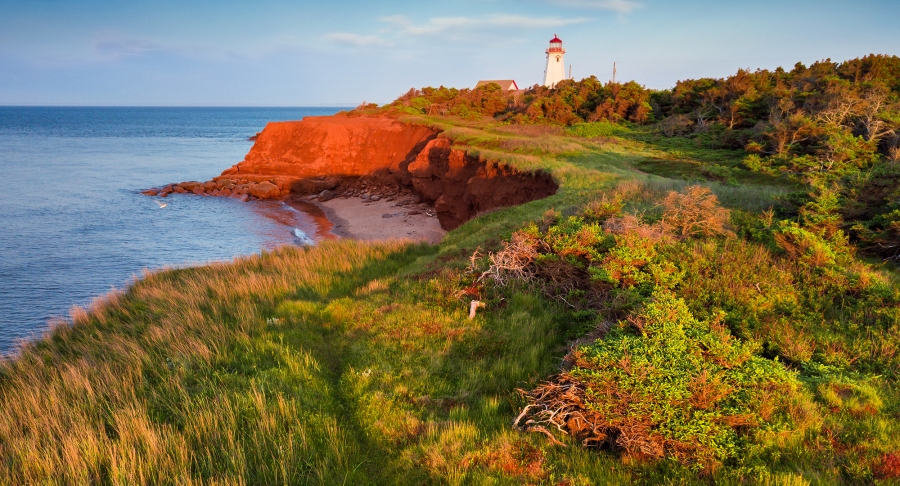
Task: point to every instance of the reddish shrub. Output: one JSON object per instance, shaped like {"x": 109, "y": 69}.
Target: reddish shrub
{"x": 889, "y": 468}
{"x": 695, "y": 212}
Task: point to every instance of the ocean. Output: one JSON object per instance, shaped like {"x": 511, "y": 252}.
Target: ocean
{"x": 73, "y": 224}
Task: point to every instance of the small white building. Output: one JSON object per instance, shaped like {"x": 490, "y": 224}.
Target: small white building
{"x": 505, "y": 84}
{"x": 556, "y": 64}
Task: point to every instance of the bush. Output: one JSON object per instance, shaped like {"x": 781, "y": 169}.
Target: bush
{"x": 604, "y": 208}
{"x": 695, "y": 212}
{"x": 596, "y": 129}
{"x": 668, "y": 385}
{"x": 804, "y": 245}
{"x": 677, "y": 125}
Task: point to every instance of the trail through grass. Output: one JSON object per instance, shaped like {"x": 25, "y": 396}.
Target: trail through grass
{"x": 353, "y": 363}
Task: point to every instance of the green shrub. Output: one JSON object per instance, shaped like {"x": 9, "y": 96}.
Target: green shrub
{"x": 626, "y": 264}
{"x": 806, "y": 246}
{"x": 604, "y": 208}
{"x": 574, "y": 237}
{"x": 596, "y": 129}
{"x": 668, "y": 385}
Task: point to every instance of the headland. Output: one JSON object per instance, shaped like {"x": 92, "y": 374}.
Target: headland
{"x": 366, "y": 159}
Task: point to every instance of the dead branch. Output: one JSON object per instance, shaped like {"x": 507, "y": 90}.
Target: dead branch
{"x": 546, "y": 432}
{"x": 514, "y": 261}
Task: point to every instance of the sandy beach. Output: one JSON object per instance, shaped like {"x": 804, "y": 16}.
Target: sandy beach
{"x": 355, "y": 218}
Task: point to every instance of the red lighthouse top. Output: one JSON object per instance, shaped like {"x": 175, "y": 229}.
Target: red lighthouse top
{"x": 555, "y": 45}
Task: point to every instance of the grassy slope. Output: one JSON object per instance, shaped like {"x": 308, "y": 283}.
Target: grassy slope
{"x": 353, "y": 364}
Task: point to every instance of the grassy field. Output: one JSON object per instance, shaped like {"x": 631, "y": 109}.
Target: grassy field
{"x": 353, "y": 363}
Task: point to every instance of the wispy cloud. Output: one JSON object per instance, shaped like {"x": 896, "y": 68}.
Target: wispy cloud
{"x": 620, "y": 6}
{"x": 117, "y": 48}
{"x": 357, "y": 40}
{"x": 495, "y": 29}
{"x": 402, "y": 24}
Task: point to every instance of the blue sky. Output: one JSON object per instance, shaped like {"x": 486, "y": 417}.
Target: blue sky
{"x": 302, "y": 53}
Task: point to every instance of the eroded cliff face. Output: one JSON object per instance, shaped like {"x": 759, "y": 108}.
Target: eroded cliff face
{"x": 334, "y": 154}
{"x": 337, "y": 146}
{"x": 460, "y": 186}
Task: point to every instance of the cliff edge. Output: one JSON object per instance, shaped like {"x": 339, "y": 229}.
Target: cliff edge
{"x": 338, "y": 155}
{"x": 337, "y": 146}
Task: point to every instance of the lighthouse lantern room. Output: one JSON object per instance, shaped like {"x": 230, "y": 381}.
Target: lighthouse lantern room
{"x": 556, "y": 70}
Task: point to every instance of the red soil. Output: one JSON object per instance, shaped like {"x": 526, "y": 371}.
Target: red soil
{"x": 332, "y": 152}
{"x": 333, "y": 146}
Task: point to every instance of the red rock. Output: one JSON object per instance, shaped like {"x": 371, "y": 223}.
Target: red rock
{"x": 326, "y": 195}
{"x": 313, "y": 186}
{"x": 265, "y": 190}
{"x": 460, "y": 185}
{"x": 189, "y": 185}
{"x": 430, "y": 161}
{"x": 318, "y": 153}
{"x": 336, "y": 146}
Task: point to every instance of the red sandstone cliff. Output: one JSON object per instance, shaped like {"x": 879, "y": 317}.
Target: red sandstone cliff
{"x": 461, "y": 186}
{"x": 324, "y": 152}
{"x": 337, "y": 146}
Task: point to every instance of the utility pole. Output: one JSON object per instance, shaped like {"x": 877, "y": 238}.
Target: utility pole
{"x": 614, "y": 72}
{"x": 570, "y": 71}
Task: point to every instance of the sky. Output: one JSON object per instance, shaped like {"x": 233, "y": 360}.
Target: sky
{"x": 341, "y": 53}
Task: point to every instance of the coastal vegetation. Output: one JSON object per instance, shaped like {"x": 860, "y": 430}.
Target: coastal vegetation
{"x": 831, "y": 126}
{"x": 710, "y": 297}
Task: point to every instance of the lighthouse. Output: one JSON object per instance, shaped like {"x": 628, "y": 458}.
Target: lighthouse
{"x": 556, "y": 70}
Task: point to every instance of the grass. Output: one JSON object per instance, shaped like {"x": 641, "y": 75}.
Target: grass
{"x": 318, "y": 366}
{"x": 353, "y": 363}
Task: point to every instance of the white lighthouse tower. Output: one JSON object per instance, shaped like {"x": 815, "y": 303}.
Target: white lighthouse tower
{"x": 556, "y": 65}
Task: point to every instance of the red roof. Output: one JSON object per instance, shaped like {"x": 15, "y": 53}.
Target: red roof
{"x": 555, "y": 39}
{"x": 505, "y": 84}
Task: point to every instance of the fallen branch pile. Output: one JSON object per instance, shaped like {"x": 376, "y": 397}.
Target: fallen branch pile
{"x": 560, "y": 404}
{"x": 514, "y": 261}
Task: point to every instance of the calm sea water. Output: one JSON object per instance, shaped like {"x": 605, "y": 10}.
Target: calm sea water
{"x": 73, "y": 224}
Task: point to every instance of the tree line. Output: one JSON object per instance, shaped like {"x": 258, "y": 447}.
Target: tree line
{"x": 834, "y": 127}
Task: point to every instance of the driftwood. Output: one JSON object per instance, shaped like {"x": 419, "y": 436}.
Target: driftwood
{"x": 473, "y": 306}
{"x": 514, "y": 261}
{"x": 557, "y": 408}
{"x": 559, "y": 405}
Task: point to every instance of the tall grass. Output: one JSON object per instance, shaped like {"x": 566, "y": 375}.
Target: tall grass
{"x": 756, "y": 198}
{"x": 353, "y": 363}
{"x": 180, "y": 377}
{"x": 299, "y": 366}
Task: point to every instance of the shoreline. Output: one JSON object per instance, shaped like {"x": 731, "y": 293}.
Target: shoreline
{"x": 383, "y": 220}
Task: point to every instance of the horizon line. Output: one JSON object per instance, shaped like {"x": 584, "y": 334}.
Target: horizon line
{"x": 335, "y": 105}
